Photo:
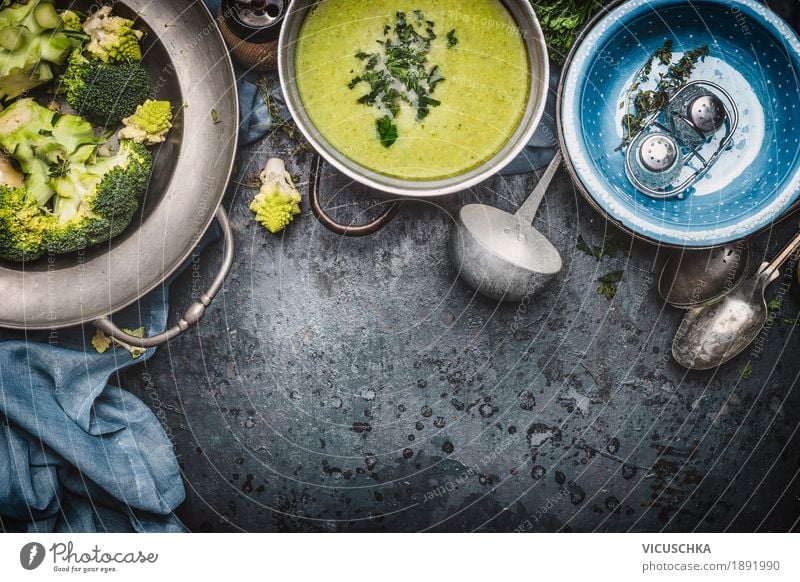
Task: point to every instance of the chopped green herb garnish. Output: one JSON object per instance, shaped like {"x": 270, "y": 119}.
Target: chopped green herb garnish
{"x": 641, "y": 104}
{"x": 452, "y": 40}
{"x": 387, "y": 131}
{"x": 745, "y": 372}
{"x": 609, "y": 284}
{"x": 561, "y": 22}
{"x": 398, "y": 73}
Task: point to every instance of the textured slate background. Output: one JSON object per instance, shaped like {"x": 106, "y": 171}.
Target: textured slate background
{"x": 357, "y": 385}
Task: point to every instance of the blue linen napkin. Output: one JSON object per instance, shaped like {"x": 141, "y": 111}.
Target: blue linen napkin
{"x": 76, "y": 453}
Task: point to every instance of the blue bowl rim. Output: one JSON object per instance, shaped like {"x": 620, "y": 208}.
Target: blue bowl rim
{"x": 770, "y": 20}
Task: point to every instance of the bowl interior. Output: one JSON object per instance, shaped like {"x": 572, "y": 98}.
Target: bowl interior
{"x": 165, "y": 87}
{"x": 753, "y": 55}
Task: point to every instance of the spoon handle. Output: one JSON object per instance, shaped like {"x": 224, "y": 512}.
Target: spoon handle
{"x": 770, "y": 269}
{"x": 528, "y": 211}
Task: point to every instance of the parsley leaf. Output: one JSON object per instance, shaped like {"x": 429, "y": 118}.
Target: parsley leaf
{"x": 387, "y": 131}
{"x": 609, "y": 284}
{"x": 452, "y": 40}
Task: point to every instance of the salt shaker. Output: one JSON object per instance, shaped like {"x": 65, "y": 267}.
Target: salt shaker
{"x": 655, "y": 159}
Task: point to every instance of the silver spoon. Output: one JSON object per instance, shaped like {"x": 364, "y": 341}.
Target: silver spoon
{"x": 500, "y": 254}
{"x": 694, "y": 278}
{"x": 712, "y": 335}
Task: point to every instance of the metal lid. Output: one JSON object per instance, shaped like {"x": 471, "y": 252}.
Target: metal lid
{"x": 658, "y": 152}
{"x": 256, "y": 21}
{"x": 707, "y": 113}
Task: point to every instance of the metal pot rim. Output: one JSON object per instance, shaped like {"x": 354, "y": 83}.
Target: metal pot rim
{"x": 150, "y": 252}
{"x": 537, "y": 99}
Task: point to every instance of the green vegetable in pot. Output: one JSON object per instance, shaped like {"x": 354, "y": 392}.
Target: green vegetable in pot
{"x": 106, "y": 81}
{"x": 106, "y": 93}
{"x": 112, "y": 38}
{"x": 70, "y": 196}
{"x": 150, "y": 124}
{"x": 33, "y": 42}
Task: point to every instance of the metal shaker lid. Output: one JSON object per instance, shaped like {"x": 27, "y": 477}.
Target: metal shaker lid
{"x": 256, "y": 21}
{"x": 658, "y": 152}
{"x": 707, "y": 113}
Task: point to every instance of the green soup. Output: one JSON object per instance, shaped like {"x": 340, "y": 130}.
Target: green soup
{"x": 469, "y": 56}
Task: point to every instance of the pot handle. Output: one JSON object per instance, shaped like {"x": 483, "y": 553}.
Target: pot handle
{"x": 195, "y": 313}
{"x": 330, "y": 223}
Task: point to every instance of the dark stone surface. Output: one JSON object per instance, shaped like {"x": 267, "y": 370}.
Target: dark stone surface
{"x": 357, "y": 385}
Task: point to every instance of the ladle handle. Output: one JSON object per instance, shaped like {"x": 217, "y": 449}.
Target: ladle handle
{"x": 771, "y": 268}
{"x": 527, "y": 213}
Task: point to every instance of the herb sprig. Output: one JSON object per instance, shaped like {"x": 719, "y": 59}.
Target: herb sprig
{"x": 562, "y": 20}
{"x": 643, "y": 103}
{"x": 399, "y": 72}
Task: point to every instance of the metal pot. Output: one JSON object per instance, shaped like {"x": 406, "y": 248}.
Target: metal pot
{"x": 187, "y": 62}
{"x": 523, "y": 14}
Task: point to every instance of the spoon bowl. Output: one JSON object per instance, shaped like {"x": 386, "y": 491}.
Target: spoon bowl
{"x": 713, "y": 335}
{"x": 692, "y": 278}
{"x": 500, "y": 256}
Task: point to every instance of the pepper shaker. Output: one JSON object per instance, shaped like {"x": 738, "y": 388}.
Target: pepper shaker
{"x": 251, "y": 29}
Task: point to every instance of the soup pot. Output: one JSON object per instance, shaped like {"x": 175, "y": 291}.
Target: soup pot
{"x": 531, "y": 32}
{"x": 187, "y": 62}
{"x": 754, "y": 56}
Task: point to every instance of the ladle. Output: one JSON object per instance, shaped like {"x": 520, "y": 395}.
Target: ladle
{"x": 502, "y": 255}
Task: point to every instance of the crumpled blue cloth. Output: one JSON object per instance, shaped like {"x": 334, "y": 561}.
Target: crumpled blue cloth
{"x": 78, "y": 454}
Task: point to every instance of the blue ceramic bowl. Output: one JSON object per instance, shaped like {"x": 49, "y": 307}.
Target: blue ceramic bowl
{"x": 754, "y": 55}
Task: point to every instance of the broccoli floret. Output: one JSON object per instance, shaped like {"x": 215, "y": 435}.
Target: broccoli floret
{"x": 33, "y": 40}
{"x": 150, "y": 124}
{"x": 22, "y": 225}
{"x": 41, "y": 141}
{"x": 104, "y": 93}
{"x": 278, "y": 201}
{"x": 96, "y": 202}
{"x": 113, "y": 38}
{"x": 72, "y": 197}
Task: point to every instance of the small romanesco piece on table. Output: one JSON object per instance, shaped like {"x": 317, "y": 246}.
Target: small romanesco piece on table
{"x": 150, "y": 124}
{"x": 278, "y": 201}
{"x": 112, "y": 38}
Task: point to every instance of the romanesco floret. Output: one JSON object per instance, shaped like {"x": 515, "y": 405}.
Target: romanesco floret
{"x": 150, "y": 124}
{"x": 278, "y": 201}
{"x": 113, "y": 38}
{"x": 71, "y": 20}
